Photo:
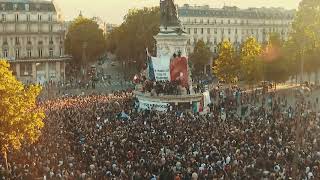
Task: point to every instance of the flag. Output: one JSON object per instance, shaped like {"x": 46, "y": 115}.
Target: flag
{"x": 150, "y": 69}
{"x": 179, "y": 70}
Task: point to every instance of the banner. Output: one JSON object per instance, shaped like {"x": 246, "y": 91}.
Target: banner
{"x": 179, "y": 70}
{"x": 149, "y": 105}
{"x": 161, "y": 66}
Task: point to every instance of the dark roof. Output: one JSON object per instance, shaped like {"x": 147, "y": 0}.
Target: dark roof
{"x": 227, "y": 11}
{"x": 21, "y": 5}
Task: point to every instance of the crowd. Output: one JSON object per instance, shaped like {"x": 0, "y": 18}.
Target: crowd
{"x": 85, "y": 138}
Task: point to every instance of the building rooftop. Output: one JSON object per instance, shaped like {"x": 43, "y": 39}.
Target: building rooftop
{"x": 27, "y": 5}
{"x": 233, "y": 11}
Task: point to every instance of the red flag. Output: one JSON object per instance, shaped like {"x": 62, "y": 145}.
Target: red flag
{"x": 179, "y": 70}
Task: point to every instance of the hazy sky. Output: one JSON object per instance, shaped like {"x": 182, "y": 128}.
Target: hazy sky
{"x": 112, "y": 11}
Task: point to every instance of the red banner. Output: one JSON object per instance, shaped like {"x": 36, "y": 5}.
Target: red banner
{"x": 179, "y": 70}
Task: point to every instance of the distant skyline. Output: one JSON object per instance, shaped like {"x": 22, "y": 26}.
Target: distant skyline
{"x": 113, "y": 11}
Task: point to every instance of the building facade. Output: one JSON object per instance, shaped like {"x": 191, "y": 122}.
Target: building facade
{"x": 32, "y": 39}
{"x": 214, "y": 25}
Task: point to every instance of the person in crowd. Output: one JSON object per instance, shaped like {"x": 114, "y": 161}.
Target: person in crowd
{"x": 84, "y": 138}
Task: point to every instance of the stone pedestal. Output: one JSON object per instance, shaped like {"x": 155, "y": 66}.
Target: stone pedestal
{"x": 171, "y": 40}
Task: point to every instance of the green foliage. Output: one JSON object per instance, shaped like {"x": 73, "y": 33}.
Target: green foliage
{"x": 275, "y": 64}
{"x": 20, "y": 120}
{"x": 251, "y": 63}
{"x": 85, "y": 31}
{"x": 129, "y": 41}
{"x": 227, "y": 65}
{"x": 200, "y": 56}
{"x": 306, "y": 34}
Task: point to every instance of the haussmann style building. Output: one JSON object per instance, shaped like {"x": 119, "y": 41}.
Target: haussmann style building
{"x": 213, "y": 25}
{"x": 32, "y": 40}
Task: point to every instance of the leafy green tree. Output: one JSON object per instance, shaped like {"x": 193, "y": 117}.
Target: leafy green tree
{"x": 251, "y": 64}
{"x": 275, "y": 64}
{"x": 129, "y": 41}
{"x": 306, "y": 33}
{"x": 227, "y": 64}
{"x": 200, "y": 56}
{"x": 85, "y": 38}
{"x": 20, "y": 120}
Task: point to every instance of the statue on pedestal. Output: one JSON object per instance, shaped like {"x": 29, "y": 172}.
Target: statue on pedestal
{"x": 169, "y": 16}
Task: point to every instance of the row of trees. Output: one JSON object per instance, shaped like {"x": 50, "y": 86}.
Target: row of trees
{"x": 277, "y": 60}
{"x": 254, "y": 63}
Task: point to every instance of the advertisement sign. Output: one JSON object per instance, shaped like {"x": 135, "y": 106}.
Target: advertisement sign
{"x": 149, "y": 105}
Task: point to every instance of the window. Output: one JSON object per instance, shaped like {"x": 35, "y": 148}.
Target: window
{"x": 221, "y": 21}
{"x": 229, "y": 21}
{"x": 16, "y": 17}
{"x": 215, "y": 31}
{"x": 40, "y": 52}
{"x": 61, "y": 51}
{"x": 208, "y": 21}
{"x": 236, "y": 31}
{"x": 50, "y": 17}
{"x": 189, "y": 30}
{"x": 3, "y": 18}
{"x": 215, "y": 40}
{"x": 28, "y": 17}
{"x": 27, "y": 7}
{"x": 201, "y": 30}
{"x": 201, "y": 21}
{"x": 50, "y": 40}
{"x": 39, "y": 17}
{"x": 17, "y": 53}
{"x": 195, "y": 30}
{"x": 50, "y": 52}
{"x": 215, "y": 21}
{"x": 50, "y": 28}
{"x": 17, "y": 40}
{"x": 29, "y": 54}
{"x": 229, "y": 31}
{"x": 25, "y": 69}
{"x": 5, "y": 53}
{"x": 28, "y": 40}
{"x": 222, "y": 31}
{"x": 5, "y": 41}
{"x": 208, "y": 30}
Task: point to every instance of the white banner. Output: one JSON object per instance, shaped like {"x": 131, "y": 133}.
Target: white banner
{"x": 161, "y": 66}
{"x": 149, "y": 105}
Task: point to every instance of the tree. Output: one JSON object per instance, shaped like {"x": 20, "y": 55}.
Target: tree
{"x": 251, "y": 63}
{"x": 306, "y": 34}
{"x": 84, "y": 38}
{"x": 275, "y": 65}
{"x": 129, "y": 41}
{"x": 200, "y": 56}
{"x": 20, "y": 120}
{"x": 227, "y": 65}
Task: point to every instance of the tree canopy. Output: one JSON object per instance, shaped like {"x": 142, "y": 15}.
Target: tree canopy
{"x": 275, "y": 64}
{"x": 306, "y": 35}
{"x": 251, "y": 63}
{"x": 200, "y": 56}
{"x": 227, "y": 64}
{"x": 129, "y": 41}
{"x": 20, "y": 120}
{"x": 85, "y": 34}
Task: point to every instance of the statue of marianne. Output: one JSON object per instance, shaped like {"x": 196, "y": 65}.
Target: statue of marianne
{"x": 169, "y": 16}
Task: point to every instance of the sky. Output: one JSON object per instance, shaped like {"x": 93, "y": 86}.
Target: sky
{"x": 113, "y": 11}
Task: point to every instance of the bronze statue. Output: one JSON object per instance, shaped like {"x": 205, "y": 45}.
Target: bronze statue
{"x": 169, "y": 16}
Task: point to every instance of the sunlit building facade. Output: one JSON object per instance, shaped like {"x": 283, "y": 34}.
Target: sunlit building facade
{"x": 32, "y": 39}
{"x": 214, "y": 25}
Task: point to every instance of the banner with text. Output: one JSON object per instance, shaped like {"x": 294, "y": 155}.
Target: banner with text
{"x": 161, "y": 66}
{"x": 149, "y": 105}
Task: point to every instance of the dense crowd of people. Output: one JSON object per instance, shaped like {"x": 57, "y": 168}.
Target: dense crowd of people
{"x": 276, "y": 137}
